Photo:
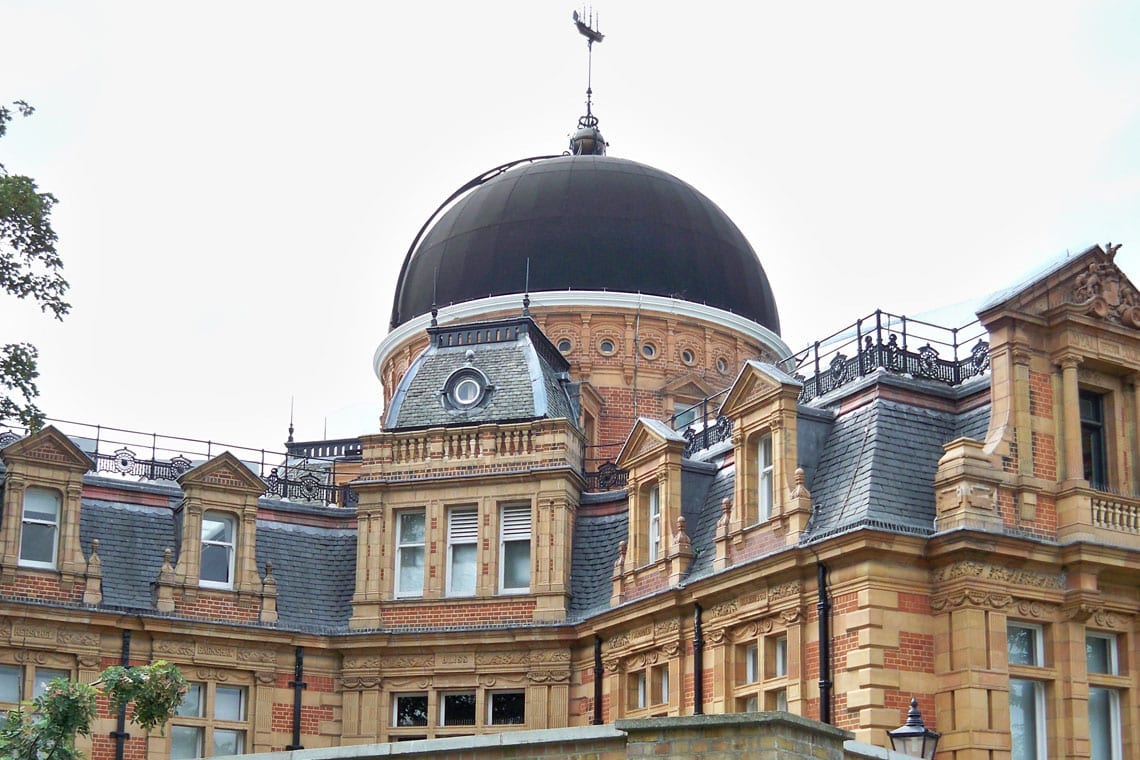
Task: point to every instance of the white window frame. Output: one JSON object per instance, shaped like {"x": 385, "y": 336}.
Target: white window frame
{"x": 1038, "y": 632}
{"x": 781, "y": 664}
{"x": 411, "y": 695}
{"x": 443, "y": 717}
{"x": 752, "y": 663}
{"x": 765, "y": 484}
{"x": 206, "y": 724}
{"x": 401, "y": 545}
{"x": 462, "y": 530}
{"x": 55, "y": 496}
{"x": 490, "y": 699}
{"x": 514, "y": 529}
{"x": 659, "y": 684}
{"x": 1040, "y": 748}
{"x": 654, "y": 523}
{"x": 1115, "y": 750}
{"x": 639, "y": 689}
{"x": 230, "y": 546}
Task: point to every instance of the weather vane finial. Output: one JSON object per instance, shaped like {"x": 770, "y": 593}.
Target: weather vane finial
{"x": 587, "y": 139}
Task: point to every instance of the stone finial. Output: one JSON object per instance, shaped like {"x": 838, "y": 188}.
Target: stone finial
{"x": 681, "y": 542}
{"x": 269, "y": 596}
{"x": 164, "y": 592}
{"x": 799, "y": 491}
{"x": 725, "y": 512}
{"x": 620, "y": 563}
{"x": 93, "y": 578}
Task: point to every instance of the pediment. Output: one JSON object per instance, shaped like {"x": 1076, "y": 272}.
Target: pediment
{"x": 648, "y": 438}
{"x": 1090, "y": 282}
{"x": 48, "y": 447}
{"x": 688, "y": 385}
{"x": 755, "y": 384}
{"x": 223, "y": 471}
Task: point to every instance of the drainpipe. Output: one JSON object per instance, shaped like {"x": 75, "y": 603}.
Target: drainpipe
{"x": 598, "y": 675}
{"x": 824, "y": 608}
{"x": 120, "y": 734}
{"x": 298, "y": 684}
{"x": 698, "y": 662}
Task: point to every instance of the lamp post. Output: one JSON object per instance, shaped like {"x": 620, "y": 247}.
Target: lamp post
{"x": 913, "y": 738}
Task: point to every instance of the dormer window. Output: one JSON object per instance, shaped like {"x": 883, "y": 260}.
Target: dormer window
{"x": 39, "y": 528}
{"x": 466, "y": 388}
{"x": 218, "y": 530}
{"x": 766, "y": 482}
{"x": 654, "y": 523}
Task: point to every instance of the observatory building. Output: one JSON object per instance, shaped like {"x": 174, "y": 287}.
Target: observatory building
{"x": 604, "y": 488}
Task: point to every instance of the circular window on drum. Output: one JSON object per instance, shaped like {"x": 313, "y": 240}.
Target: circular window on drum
{"x": 688, "y": 357}
{"x": 722, "y": 365}
{"x": 565, "y": 346}
{"x": 607, "y": 346}
{"x": 649, "y": 350}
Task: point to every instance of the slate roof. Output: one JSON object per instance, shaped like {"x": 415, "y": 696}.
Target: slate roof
{"x": 877, "y": 469}
{"x": 596, "y": 540}
{"x": 702, "y": 495}
{"x": 525, "y": 383}
{"x": 131, "y": 542}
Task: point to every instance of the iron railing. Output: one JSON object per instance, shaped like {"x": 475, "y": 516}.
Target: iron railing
{"x": 156, "y": 457}
{"x": 887, "y": 341}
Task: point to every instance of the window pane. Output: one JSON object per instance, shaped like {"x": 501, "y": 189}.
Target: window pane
{"x": 411, "y": 527}
{"x": 228, "y": 742}
{"x": 1098, "y": 654}
{"x": 1023, "y": 726}
{"x": 1102, "y": 724}
{"x": 44, "y": 677}
{"x": 41, "y": 504}
{"x": 412, "y": 570}
{"x": 229, "y": 703}
{"x": 1022, "y": 642}
{"x": 216, "y": 529}
{"x": 215, "y": 563}
{"x": 516, "y": 564}
{"x": 411, "y": 710}
{"x": 508, "y": 708}
{"x": 185, "y": 742}
{"x": 191, "y": 705}
{"x": 458, "y": 710}
{"x": 463, "y": 569}
{"x": 10, "y": 677}
{"x": 782, "y": 656}
{"x": 37, "y": 543}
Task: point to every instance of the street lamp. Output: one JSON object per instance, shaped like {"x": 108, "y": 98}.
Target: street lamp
{"x": 913, "y": 738}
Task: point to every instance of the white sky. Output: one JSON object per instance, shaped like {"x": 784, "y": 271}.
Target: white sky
{"x": 239, "y": 181}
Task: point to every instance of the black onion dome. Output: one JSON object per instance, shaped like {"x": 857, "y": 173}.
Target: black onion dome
{"x": 586, "y": 223}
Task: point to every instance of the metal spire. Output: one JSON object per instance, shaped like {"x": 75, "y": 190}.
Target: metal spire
{"x": 587, "y": 140}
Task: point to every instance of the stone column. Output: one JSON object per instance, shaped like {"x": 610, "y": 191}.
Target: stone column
{"x": 1071, "y": 440}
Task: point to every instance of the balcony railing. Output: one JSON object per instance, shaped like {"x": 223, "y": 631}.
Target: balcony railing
{"x": 1115, "y": 513}
{"x": 142, "y": 456}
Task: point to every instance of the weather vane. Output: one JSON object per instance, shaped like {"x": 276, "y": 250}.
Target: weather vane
{"x": 587, "y": 139}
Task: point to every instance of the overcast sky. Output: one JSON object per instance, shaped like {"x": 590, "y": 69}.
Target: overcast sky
{"x": 239, "y": 182}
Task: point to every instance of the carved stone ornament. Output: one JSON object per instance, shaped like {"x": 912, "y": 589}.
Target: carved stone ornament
{"x": 89, "y": 661}
{"x": 523, "y": 658}
{"x": 792, "y": 615}
{"x": 612, "y": 665}
{"x": 210, "y": 674}
{"x": 970, "y": 598}
{"x": 723, "y": 608}
{"x": 354, "y": 683}
{"x": 265, "y": 677}
{"x": 548, "y": 676}
{"x": 1011, "y": 575}
{"x": 71, "y": 639}
{"x": 1031, "y": 608}
{"x": 752, "y": 629}
{"x": 666, "y": 626}
{"x": 1105, "y": 292}
{"x": 715, "y": 637}
{"x": 265, "y": 656}
{"x": 1103, "y": 619}
{"x": 362, "y": 662}
{"x": 784, "y": 589}
{"x": 174, "y": 648}
{"x": 408, "y": 661}
{"x": 616, "y": 642}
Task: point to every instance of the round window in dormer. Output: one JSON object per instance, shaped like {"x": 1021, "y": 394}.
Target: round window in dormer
{"x": 465, "y": 389}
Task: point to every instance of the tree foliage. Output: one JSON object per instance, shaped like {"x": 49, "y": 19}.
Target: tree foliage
{"x": 46, "y": 728}
{"x": 31, "y": 267}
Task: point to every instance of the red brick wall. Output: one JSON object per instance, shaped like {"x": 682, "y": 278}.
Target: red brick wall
{"x": 227, "y": 606}
{"x": 411, "y": 617}
{"x": 41, "y": 586}
{"x": 1040, "y": 395}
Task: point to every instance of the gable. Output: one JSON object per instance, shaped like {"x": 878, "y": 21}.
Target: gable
{"x": 50, "y": 448}
{"x": 223, "y": 471}
{"x": 648, "y": 438}
{"x": 756, "y": 383}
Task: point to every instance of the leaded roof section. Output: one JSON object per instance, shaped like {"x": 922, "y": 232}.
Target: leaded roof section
{"x": 501, "y": 371}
